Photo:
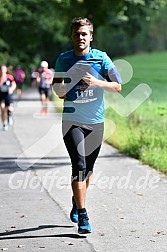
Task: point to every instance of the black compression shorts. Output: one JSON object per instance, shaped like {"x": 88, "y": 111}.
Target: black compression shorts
{"x": 83, "y": 143}
{"x": 45, "y": 91}
{"x": 6, "y": 98}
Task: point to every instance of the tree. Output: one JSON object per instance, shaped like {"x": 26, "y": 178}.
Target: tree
{"x": 32, "y": 30}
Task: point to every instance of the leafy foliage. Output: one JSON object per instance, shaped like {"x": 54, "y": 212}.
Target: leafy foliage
{"x": 32, "y": 30}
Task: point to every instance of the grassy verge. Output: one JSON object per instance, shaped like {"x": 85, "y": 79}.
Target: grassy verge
{"x": 143, "y": 134}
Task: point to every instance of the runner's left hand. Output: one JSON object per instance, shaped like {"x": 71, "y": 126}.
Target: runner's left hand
{"x": 90, "y": 80}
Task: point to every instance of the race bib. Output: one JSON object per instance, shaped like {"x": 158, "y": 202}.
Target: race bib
{"x": 84, "y": 94}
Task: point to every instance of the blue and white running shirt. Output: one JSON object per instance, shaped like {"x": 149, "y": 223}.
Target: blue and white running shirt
{"x": 85, "y": 104}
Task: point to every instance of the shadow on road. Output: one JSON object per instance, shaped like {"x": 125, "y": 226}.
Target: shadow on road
{"x": 7, "y": 235}
{"x": 9, "y": 164}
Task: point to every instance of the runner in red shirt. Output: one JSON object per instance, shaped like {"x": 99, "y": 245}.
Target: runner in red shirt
{"x": 7, "y": 86}
{"x": 44, "y": 79}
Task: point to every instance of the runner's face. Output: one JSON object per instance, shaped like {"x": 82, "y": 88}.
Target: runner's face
{"x": 81, "y": 38}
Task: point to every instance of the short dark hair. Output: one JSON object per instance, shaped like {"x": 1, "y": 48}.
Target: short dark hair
{"x": 81, "y": 21}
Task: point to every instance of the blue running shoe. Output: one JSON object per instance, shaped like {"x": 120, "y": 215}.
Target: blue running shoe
{"x": 83, "y": 224}
{"x": 74, "y": 212}
{"x": 10, "y": 120}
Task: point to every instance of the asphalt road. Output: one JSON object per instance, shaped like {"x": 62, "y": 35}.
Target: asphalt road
{"x": 126, "y": 201}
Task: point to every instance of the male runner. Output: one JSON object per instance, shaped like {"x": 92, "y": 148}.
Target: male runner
{"x": 90, "y": 72}
{"x": 44, "y": 80}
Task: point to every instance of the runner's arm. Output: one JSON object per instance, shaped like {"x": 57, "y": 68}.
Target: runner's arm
{"x": 59, "y": 87}
{"x": 38, "y": 77}
{"x": 110, "y": 86}
{"x": 13, "y": 87}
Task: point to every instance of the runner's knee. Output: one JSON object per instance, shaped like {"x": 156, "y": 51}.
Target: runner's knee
{"x": 79, "y": 171}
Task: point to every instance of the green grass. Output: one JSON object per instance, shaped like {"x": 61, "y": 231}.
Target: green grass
{"x": 143, "y": 134}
